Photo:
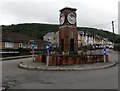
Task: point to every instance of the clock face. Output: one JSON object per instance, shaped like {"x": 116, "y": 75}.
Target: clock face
{"x": 62, "y": 19}
{"x": 71, "y": 18}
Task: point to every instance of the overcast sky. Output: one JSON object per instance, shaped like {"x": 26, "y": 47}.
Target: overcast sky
{"x": 90, "y": 13}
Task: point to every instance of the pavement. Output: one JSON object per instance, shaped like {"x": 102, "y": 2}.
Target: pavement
{"x": 74, "y": 67}
{"x": 15, "y": 57}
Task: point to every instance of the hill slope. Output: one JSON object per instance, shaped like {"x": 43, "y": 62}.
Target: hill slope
{"x": 39, "y": 30}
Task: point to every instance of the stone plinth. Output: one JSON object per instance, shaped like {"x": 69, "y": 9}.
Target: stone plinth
{"x": 56, "y": 60}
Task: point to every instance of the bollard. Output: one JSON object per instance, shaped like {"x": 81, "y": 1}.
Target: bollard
{"x": 104, "y": 55}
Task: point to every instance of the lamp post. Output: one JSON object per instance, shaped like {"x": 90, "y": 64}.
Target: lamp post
{"x": 47, "y": 49}
{"x": 32, "y": 45}
{"x": 104, "y": 54}
{"x": 33, "y": 50}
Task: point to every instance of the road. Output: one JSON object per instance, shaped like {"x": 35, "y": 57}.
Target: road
{"x": 18, "y": 78}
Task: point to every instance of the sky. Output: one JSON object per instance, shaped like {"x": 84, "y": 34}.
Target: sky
{"x": 90, "y": 13}
{"x": 119, "y": 18}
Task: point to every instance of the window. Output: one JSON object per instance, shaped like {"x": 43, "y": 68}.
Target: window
{"x": 20, "y": 45}
{"x": 24, "y": 45}
{"x": 9, "y": 45}
{"x": 35, "y": 46}
{"x": 62, "y": 44}
{"x": 48, "y": 40}
{"x": 71, "y": 44}
{"x": 54, "y": 38}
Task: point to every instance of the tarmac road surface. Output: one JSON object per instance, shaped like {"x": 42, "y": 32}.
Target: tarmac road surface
{"x": 18, "y": 78}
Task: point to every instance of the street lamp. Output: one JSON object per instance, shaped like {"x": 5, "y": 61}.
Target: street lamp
{"x": 32, "y": 45}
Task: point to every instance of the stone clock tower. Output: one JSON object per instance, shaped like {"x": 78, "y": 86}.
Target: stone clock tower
{"x": 68, "y": 36}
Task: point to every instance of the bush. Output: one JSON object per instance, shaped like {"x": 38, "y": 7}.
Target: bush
{"x": 117, "y": 47}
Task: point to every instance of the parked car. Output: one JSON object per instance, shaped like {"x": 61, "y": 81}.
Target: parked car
{"x": 111, "y": 47}
{"x": 101, "y": 46}
{"x": 107, "y": 46}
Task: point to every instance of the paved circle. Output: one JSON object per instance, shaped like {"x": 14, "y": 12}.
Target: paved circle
{"x": 74, "y": 67}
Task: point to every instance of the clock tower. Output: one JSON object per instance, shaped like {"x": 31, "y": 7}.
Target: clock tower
{"x": 68, "y": 37}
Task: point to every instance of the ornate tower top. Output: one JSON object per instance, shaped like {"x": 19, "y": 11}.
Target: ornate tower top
{"x": 68, "y": 8}
{"x": 67, "y": 16}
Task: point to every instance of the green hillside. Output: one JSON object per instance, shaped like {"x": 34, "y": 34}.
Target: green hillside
{"x": 31, "y": 29}
{"x": 39, "y": 30}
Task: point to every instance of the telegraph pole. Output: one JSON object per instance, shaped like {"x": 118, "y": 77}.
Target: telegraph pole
{"x": 113, "y": 28}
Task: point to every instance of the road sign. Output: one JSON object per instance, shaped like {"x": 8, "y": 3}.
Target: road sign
{"x": 104, "y": 49}
{"x": 104, "y": 53}
{"x": 33, "y": 44}
{"x": 47, "y": 47}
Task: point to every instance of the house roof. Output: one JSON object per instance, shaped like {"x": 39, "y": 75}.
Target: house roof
{"x": 16, "y": 37}
{"x": 81, "y": 32}
{"x": 50, "y": 34}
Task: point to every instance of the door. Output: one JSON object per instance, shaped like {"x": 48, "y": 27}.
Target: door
{"x": 71, "y": 44}
{"x": 62, "y": 44}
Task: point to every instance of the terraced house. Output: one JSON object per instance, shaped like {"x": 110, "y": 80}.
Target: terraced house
{"x": 84, "y": 39}
{"x": 18, "y": 43}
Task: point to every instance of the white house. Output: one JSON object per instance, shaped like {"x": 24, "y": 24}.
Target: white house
{"x": 51, "y": 37}
{"x": 84, "y": 39}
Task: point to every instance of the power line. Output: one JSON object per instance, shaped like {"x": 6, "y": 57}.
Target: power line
{"x": 104, "y": 24}
{"x": 101, "y": 24}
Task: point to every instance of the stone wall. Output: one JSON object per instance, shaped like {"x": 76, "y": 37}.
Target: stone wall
{"x": 67, "y": 60}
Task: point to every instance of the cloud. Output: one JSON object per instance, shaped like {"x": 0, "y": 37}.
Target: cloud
{"x": 89, "y": 12}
